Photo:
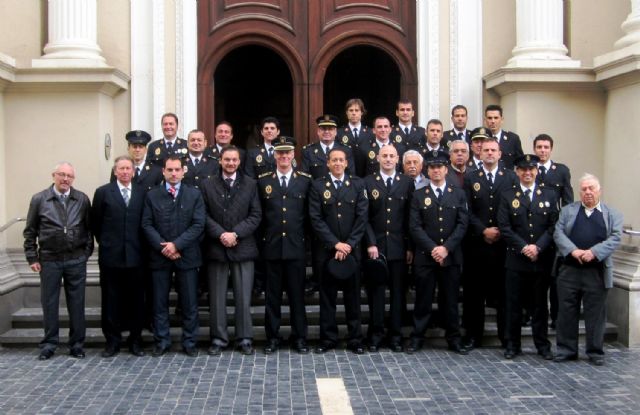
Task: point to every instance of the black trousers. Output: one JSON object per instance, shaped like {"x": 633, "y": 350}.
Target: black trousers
{"x": 581, "y": 285}
{"x": 519, "y": 284}
{"x": 122, "y": 294}
{"x": 329, "y": 287}
{"x": 376, "y": 293}
{"x": 448, "y": 280}
{"x": 287, "y": 275}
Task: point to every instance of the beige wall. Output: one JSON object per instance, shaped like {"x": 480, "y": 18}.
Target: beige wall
{"x": 22, "y": 29}
{"x": 498, "y": 33}
{"x": 114, "y": 33}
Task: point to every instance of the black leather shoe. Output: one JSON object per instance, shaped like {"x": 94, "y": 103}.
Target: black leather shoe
{"x": 373, "y": 348}
{"x": 136, "y": 349}
{"x": 311, "y": 288}
{"x": 246, "y": 348}
{"x": 110, "y": 351}
{"x": 546, "y": 354}
{"x": 396, "y": 347}
{"x": 324, "y": 347}
{"x": 414, "y": 346}
{"x": 356, "y": 347}
{"x": 565, "y": 358}
{"x": 45, "y": 354}
{"x": 301, "y": 347}
{"x": 470, "y": 344}
{"x": 597, "y": 360}
{"x": 271, "y": 347}
{"x": 511, "y": 353}
{"x": 190, "y": 351}
{"x": 214, "y": 350}
{"x": 77, "y": 352}
{"x": 458, "y": 348}
{"x": 159, "y": 351}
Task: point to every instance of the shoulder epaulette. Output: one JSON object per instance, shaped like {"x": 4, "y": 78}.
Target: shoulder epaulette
{"x": 303, "y": 173}
{"x": 265, "y": 174}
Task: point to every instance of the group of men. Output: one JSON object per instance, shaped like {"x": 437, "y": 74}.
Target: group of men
{"x": 371, "y": 205}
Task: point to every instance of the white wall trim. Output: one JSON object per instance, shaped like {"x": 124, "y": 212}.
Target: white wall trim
{"x": 158, "y": 67}
{"x": 428, "y": 27}
{"x": 142, "y": 45}
{"x": 186, "y": 65}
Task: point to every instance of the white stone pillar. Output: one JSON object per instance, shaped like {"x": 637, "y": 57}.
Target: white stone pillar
{"x": 72, "y": 35}
{"x": 539, "y": 25}
{"x": 631, "y": 27}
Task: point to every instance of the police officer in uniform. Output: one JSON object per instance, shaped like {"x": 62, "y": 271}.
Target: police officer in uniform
{"x": 223, "y": 137}
{"x": 527, "y": 217}
{"x": 355, "y": 132}
{"x": 459, "y": 131}
{"x": 484, "y": 247}
{"x": 170, "y": 144}
{"x": 146, "y": 174}
{"x": 314, "y": 156}
{"x": 260, "y": 158}
{"x": 283, "y": 193}
{"x": 198, "y": 165}
{"x": 367, "y": 152}
{"x": 438, "y": 221}
{"x": 387, "y": 234}
{"x": 338, "y": 213}
{"x": 408, "y": 132}
{"x": 510, "y": 144}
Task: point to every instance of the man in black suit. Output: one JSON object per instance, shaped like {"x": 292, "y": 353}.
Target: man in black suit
{"x": 338, "y": 213}
{"x": 145, "y": 173}
{"x": 355, "y": 132}
{"x": 173, "y": 222}
{"x": 260, "y": 158}
{"x": 283, "y": 193}
{"x": 314, "y": 156}
{"x": 233, "y": 215}
{"x": 387, "y": 235}
{"x": 198, "y": 165}
{"x": 222, "y": 137}
{"x": 526, "y": 217}
{"x": 170, "y": 144}
{"x": 459, "y": 157}
{"x": 408, "y": 133}
{"x": 116, "y": 214}
{"x": 366, "y": 156}
{"x": 459, "y": 131}
{"x": 484, "y": 247}
{"x": 510, "y": 144}
{"x": 438, "y": 221}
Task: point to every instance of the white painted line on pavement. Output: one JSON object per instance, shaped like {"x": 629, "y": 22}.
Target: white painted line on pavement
{"x": 334, "y": 399}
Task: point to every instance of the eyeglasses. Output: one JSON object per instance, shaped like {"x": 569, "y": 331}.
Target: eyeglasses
{"x": 65, "y": 175}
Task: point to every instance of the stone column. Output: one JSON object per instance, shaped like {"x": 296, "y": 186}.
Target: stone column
{"x": 72, "y": 34}
{"x": 631, "y": 27}
{"x": 539, "y": 25}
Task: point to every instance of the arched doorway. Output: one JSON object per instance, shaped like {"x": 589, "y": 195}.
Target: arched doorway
{"x": 364, "y": 72}
{"x": 250, "y": 83}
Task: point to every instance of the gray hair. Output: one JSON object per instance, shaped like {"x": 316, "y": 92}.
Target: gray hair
{"x": 412, "y": 153}
{"x": 459, "y": 140}
{"x": 590, "y": 177}
{"x": 63, "y": 163}
{"x": 120, "y": 158}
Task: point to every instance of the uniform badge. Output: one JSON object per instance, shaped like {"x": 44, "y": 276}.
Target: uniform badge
{"x": 398, "y": 139}
{"x": 157, "y": 152}
{"x": 481, "y": 174}
{"x": 315, "y": 151}
{"x": 259, "y": 158}
{"x": 538, "y": 192}
{"x": 375, "y": 193}
{"x": 327, "y": 184}
{"x": 268, "y": 189}
{"x": 427, "y": 201}
{"x": 547, "y": 204}
{"x": 146, "y": 167}
{"x": 345, "y": 139}
{"x": 327, "y": 194}
{"x": 500, "y": 173}
{"x": 541, "y": 205}
{"x": 346, "y": 183}
{"x": 372, "y": 155}
{"x": 183, "y": 150}
{"x": 553, "y": 167}
{"x": 515, "y": 203}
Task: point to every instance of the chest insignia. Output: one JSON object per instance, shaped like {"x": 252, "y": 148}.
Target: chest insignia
{"x": 259, "y": 158}
{"x": 515, "y": 203}
{"x": 427, "y": 201}
{"x": 157, "y": 152}
{"x": 327, "y": 194}
{"x": 372, "y": 155}
{"x": 268, "y": 189}
{"x": 375, "y": 193}
{"x": 398, "y": 139}
{"x": 345, "y": 139}
{"x": 476, "y": 187}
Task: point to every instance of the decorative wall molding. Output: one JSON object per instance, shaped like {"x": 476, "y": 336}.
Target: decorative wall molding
{"x": 428, "y": 27}
{"x": 186, "y": 65}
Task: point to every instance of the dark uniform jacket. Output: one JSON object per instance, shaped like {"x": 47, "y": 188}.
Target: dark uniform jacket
{"x": 57, "y": 232}
{"x": 116, "y": 226}
{"x": 180, "y": 220}
{"x": 231, "y": 210}
{"x": 338, "y": 215}
{"x": 510, "y": 147}
{"x": 433, "y": 223}
{"x": 412, "y": 140}
{"x": 345, "y": 136}
{"x": 284, "y": 215}
{"x": 558, "y": 178}
{"x": 484, "y": 200}
{"x": 366, "y": 156}
{"x": 388, "y": 224}
{"x": 523, "y": 222}
{"x": 157, "y": 150}
{"x": 258, "y": 162}
{"x": 314, "y": 159}
{"x": 195, "y": 175}
{"x": 149, "y": 177}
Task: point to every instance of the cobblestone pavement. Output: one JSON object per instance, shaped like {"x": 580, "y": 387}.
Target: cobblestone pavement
{"x": 433, "y": 381}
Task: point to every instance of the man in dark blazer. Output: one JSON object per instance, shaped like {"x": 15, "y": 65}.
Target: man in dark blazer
{"x": 283, "y": 194}
{"x": 526, "y": 219}
{"x": 387, "y": 234}
{"x": 484, "y": 247}
{"x": 355, "y": 131}
{"x": 198, "y": 165}
{"x": 314, "y": 155}
{"x": 260, "y": 158}
{"x": 338, "y": 213}
{"x": 233, "y": 215}
{"x": 145, "y": 173}
{"x": 586, "y": 235}
{"x": 223, "y": 137}
{"x": 170, "y": 144}
{"x": 458, "y": 157}
{"x": 366, "y": 154}
{"x": 459, "y": 131}
{"x": 510, "y": 144}
{"x": 173, "y": 223}
{"x": 408, "y": 133}
{"x": 438, "y": 221}
{"x": 116, "y": 214}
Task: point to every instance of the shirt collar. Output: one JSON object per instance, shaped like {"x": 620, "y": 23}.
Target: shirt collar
{"x": 121, "y": 186}
{"x": 546, "y": 165}
{"x": 456, "y": 132}
{"x": 268, "y": 146}
{"x": 67, "y": 193}
{"x": 385, "y": 177}
{"x": 597, "y": 207}
{"x": 380, "y": 143}
{"x": 334, "y": 178}
{"x": 287, "y": 175}
{"x": 433, "y": 148}
{"x": 402, "y": 126}
{"x": 524, "y": 189}
{"x": 358, "y": 126}
{"x": 177, "y": 186}
{"x": 232, "y": 177}
{"x": 492, "y": 171}
{"x": 193, "y": 158}
{"x": 434, "y": 187}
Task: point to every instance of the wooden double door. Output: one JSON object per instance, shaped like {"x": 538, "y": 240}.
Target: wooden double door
{"x": 298, "y": 59}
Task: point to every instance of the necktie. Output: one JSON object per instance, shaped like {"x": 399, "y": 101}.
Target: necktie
{"x": 170, "y": 147}
{"x": 527, "y": 193}
{"x": 196, "y": 161}
{"x": 490, "y": 177}
{"x": 459, "y": 136}
{"x": 480, "y": 165}
{"x": 125, "y": 196}
{"x": 326, "y": 150}
{"x": 355, "y": 133}
{"x": 63, "y": 199}
{"x": 439, "y": 192}
{"x": 543, "y": 172}
{"x": 172, "y": 191}
{"x": 137, "y": 171}
{"x": 406, "y": 130}
{"x": 338, "y": 183}
{"x": 270, "y": 152}
{"x": 389, "y": 183}
{"x": 284, "y": 182}
{"x": 228, "y": 181}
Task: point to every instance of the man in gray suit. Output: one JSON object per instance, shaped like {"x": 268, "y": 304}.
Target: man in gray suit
{"x": 412, "y": 166}
{"x": 586, "y": 235}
